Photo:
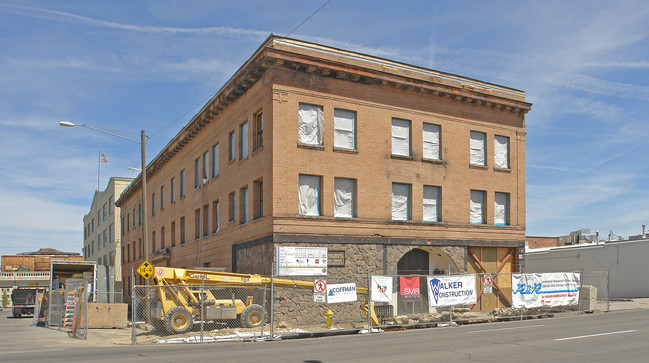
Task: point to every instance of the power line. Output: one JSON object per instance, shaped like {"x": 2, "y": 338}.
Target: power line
{"x": 305, "y": 20}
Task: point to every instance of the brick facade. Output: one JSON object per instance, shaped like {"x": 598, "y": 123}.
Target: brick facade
{"x": 280, "y": 76}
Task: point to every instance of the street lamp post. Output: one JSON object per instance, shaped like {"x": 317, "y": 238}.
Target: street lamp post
{"x": 142, "y": 143}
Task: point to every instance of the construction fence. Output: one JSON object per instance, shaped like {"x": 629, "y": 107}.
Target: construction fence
{"x": 65, "y": 310}
{"x": 337, "y": 304}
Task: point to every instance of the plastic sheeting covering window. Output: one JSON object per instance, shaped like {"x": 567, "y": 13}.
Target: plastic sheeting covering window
{"x": 344, "y": 126}
{"x": 243, "y": 146}
{"x": 311, "y": 124}
{"x": 344, "y": 198}
{"x": 431, "y": 203}
{"x": 477, "y": 207}
{"x": 309, "y": 195}
{"x": 500, "y": 208}
{"x": 400, "y": 202}
{"x": 477, "y": 145}
{"x": 400, "y": 137}
{"x": 431, "y": 142}
{"x": 501, "y": 152}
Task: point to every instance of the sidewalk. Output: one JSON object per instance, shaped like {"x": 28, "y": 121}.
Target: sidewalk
{"x": 629, "y": 304}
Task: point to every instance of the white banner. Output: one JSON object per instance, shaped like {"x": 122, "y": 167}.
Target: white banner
{"x": 382, "y": 289}
{"x": 545, "y": 289}
{"x": 301, "y": 261}
{"x": 337, "y": 293}
{"x": 451, "y": 290}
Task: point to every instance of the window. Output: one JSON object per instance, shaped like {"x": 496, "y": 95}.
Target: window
{"x": 400, "y": 202}
{"x": 139, "y": 219}
{"x": 133, "y": 218}
{"x": 162, "y": 197}
{"x": 153, "y": 204}
{"x": 501, "y": 152}
{"x": 344, "y": 129}
{"x": 162, "y": 237}
{"x": 197, "y": 173}
{"x": 259, "y": 129}
{"x": 172, "y": 191}
{"x": 243, "y": 218}
{"x": 231, "y": 207}
{"x": 501, "y": 207}
{"x": 153, "y": 241}
{"x": 141, "y": 248}
{"x": 92, "y": 226}
{"x": 205, "y": 220}
{"x": 98, "y": 218}
{"x": 400, "y": 137}
{"x": 431, "y": 144}
{"x": 215, "y": 216}
{"x": 105, "y": 211}
{"x": 215, "y": 160}
{"x": 197, "y": 223}
{"x": 182, "y": 230}
{"x": 111, "y": 205}
{"x": 478, "y": 149}
{"x": 231, "y": 151}
{"x": 431, "y": 204}
{"x": 111, "y": 233}
{"x": 206, "y": 165}
{"x": 128, "y": 221}
{"x": 122, "y": 226}
{"x": 311, "y": 123}
{"x": 477, "y": 215}
{"x": 258, "y": 205}
{"x": 182, "y": 183}
{"x": 243, "y": 141}
{"x": 173, "y": 234}
{"x": 309, "y": 195}
{"x": 105, "y": 238}
{"x": 344, "y": 195}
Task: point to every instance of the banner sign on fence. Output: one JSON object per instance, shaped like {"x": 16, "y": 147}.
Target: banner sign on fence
{"x": 451, "y": 290}
{"x": 409, "y": 288}
{"x": 545, "y": 289}
{"x": 382, "y": 289}
{"x": 338, "y": 293}
{"x": 304, "y": 261}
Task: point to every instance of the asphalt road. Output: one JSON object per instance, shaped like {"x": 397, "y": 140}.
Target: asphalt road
{"x": 616, "y": 336}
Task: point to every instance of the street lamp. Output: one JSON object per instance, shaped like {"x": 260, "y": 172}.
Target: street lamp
{"x": 142, "y": 143}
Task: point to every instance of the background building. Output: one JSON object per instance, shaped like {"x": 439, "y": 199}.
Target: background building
{"x": 396, "y": 169}
{"x": 102, "y": 240}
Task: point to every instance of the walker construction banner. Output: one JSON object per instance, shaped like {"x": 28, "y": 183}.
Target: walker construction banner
{"x": 382, "y": 288}
{"x": 545, "y": 289}
{"x": 451, "y": 290}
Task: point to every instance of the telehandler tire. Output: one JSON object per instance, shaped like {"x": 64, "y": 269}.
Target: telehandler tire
{"x": 179, "y": 320}
{"x": 253, "y": 316}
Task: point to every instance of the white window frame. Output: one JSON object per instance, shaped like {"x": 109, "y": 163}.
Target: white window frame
{"x": 431, "y": 141}
{"x": 478, "y": 148}
{"x": 401, "y": 140}
{"x": 309, "y": 187}
{"x": 344, "y": 129}
{"x": 310, "y": 124}
{"x": 344, "y": 198}
{"x": 501, "y": 152}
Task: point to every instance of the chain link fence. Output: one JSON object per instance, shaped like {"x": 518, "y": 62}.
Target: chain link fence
{"x": 223, "y": 312}
{"x": 65, "y": 310}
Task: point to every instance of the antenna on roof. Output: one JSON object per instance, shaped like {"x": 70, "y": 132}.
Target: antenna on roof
{"x": 305, "y": 20}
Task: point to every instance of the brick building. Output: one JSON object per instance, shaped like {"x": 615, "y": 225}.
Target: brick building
{"x": 396, "y": 168}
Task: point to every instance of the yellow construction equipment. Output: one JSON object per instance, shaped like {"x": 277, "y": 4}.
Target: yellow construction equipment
{"x": 178, "y": 298}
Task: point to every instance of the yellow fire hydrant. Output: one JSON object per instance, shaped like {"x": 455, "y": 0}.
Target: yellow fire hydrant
{"x": 328, "y": 319}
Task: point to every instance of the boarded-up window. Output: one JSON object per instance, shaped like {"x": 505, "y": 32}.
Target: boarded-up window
{"x": 431, "y": 203}
{"x": 309, "y": 195}
{"x": 477, "y": 146}
{"x": 400, "y": 137}
{"x": 311, "y": 122}
{"x": 477, "y": 207}
{"x": 501, "y": 152}
{"x": 431, "y": 142}
{"x": 400, "y": 202}
{"x": 344, "y": 129}
{"x": 500, "y": 208}
{"x": 344, "y": 197}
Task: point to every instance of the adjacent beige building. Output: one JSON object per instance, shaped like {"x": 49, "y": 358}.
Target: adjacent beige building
{"x": 395, "y": 168}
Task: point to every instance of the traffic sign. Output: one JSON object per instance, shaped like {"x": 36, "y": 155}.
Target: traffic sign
{"x": 488, "y": 284}
{"x": 320, "y": 286}
{"x": 146, "y": 270}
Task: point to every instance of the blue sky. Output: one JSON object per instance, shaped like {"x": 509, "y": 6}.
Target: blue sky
{"x": 133, "y": 65}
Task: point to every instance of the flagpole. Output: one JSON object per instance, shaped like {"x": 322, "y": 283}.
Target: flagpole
{"x": 98, "y": 168}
